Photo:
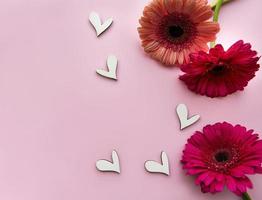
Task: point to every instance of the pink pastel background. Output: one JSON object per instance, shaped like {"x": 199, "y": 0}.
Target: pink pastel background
{"x": 58, "y": 117}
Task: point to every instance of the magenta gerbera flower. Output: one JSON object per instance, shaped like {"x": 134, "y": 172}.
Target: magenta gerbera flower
{"x": 223, "y": 155}
{"x": 219, "y": 72}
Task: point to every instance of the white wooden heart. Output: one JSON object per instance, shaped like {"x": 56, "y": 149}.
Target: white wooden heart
{"x": 96, "y": 22}
{"x": 108, "y": 166}
{"x": 112, "y": 67}
{"x": 155, "y": 167}
{"x": 185, "y": 121}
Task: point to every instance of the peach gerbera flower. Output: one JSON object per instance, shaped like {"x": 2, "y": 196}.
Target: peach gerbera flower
{"x": 172, "y": 29}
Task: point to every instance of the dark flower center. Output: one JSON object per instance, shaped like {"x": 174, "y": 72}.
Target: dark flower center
{"x": 222, "y": 156}
{"x": 175, "y": 31}
{"x": 223, "y": 159}
{"x": 219, "y": 69}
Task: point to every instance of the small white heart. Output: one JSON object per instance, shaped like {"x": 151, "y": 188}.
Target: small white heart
{"x": 112, "y": 67}
{"x": 182, "y": 113}
{"x": 96, "y": 22}
{"x": 107, "y": 166}
{"x": 155, "y": 167}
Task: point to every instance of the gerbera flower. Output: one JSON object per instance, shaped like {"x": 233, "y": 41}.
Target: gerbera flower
{"x": 172, "y": 29}
{"x": 220, "y": 72}
{"x": 222, "y": 155}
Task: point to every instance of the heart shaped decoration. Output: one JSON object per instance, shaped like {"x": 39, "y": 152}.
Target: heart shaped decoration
{"x": 96, "y": 22}
{"x": 108, "y": 166}
{"x": 112, "y": 67}
{"x": 182, "y": 113}
{"x": 155, "y": 167}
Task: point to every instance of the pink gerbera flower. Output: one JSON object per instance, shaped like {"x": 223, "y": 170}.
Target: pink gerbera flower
{"x": 172, "y": 29}
{"x": 219, "y": 72}
{"x": 223, "y": 155}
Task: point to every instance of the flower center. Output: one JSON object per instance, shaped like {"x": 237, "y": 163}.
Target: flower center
{"x": 219, "y": 69}
{"x": 222, "y": 156}
{"x": 175, "y": 31}
{"x": 222, "y": 159}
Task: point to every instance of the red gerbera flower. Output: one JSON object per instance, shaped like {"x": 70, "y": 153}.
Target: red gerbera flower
{"x": 222, "y": 155}
{"x": 172, "y": 29}
{"x": 219, "y": 72}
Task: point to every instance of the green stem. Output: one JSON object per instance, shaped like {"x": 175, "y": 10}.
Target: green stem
{"x": 214, "y": 3}
{"x": 246, "y": 196}
{"x": 215, "y": 18}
